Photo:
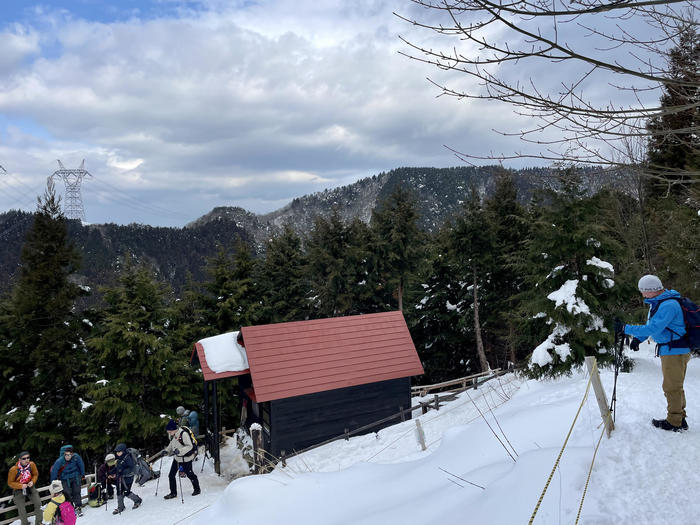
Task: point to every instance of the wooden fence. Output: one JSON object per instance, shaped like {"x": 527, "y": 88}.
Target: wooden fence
{"x": 89, "y": 478}
{"x": 462, "y": 383}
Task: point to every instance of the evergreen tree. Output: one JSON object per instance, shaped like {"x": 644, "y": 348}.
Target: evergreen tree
{"x": 507, "y": 219}
{"x": 445, "y": 345}
{"x": 232, "y": 296}
{"x": 395, "y": 223}
{"x": 282, "y": 279}
{"x": 674, "y": 147}
{"x": 569, "y": 289}
{"x": 44, "y": 357}
{"x": 341, "y": 268}
{"x": 473, "y": 250}
{"x": 137, "y": 376}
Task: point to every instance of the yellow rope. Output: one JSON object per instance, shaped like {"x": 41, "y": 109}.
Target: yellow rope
{"x": 590, "y": 470}
{"x": 556, "y": 463}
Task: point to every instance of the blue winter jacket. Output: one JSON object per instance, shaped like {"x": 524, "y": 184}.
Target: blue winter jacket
{"x": 65, "y": 470}
{"x": 666, "y": 325}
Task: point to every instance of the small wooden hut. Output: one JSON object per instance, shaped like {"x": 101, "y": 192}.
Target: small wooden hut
{"x": 309, "y": 381}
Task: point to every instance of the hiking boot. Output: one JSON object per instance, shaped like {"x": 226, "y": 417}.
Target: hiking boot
{"x": 684, "y": 424}
{"x": 78, "y": 511}
{"x": 196, "y": 492}
{"x": 117, "y": 511}
{"x": 665, "y": 425}
{"x": 170, "y": 496}
{"x": 137, "y": 504}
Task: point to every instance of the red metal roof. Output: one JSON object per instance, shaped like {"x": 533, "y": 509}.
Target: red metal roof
{"x": 208, "y": 373}
{"x": 304, "y": 357}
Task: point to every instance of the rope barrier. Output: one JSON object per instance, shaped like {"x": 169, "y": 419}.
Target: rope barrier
{"x": 590, "y": 470}
{"x": 556, "y": 463}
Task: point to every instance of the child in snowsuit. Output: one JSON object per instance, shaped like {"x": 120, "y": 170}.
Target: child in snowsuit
{"x": 57, "y": 497}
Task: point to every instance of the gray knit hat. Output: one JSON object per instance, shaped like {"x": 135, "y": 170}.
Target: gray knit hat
{"x": 650, "y": 283}
{"x": 56, "y": 487}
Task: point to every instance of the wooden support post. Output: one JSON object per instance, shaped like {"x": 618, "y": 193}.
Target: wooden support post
{"x": 437, "y": 402}
{"x": 423, "y": 407}
{"x": 403, "y": 416}
{"x": 258, "y": 452}
{"x": 592, "y": 366}
{"x": 284, "y": 457}
{"x": 475, "y": 383}
{"x": 420, "y": 435}
{"x": 347, "y": 434}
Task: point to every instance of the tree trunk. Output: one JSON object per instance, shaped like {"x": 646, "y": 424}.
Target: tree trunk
{"x": 477, "y": 329}
{"x": 511, "y": 341}
{"x": 399, "y": 292}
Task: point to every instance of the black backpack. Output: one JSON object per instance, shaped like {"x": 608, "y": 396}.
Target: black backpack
{"x": 691, "y": 318}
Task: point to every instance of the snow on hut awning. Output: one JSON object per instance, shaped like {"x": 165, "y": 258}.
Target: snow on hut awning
{"x": 221, "y": 356}
{"x": 305, "y": 357}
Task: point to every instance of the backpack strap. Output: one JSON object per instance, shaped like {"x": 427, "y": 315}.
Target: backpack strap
{"x": 679, "y": 341}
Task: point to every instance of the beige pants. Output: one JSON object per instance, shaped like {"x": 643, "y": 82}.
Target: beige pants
{"x": 673, "y": 368}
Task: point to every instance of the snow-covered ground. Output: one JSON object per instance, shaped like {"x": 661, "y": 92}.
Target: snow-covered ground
{"x": 641, "y": 475}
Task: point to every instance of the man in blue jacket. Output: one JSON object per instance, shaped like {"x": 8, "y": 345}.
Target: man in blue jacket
{"x": 666, "y": 326}
{"x": 69, "y": 469}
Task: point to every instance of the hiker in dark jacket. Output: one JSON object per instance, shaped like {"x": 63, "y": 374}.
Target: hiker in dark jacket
{"x": 184, "y": 451}
{"x": 22, "y": 480}
{"x": 666, "y": 325}
{"x": 125, "y": 478}
{"x": 69, "y": 469}
{"x": 107, "y": 475}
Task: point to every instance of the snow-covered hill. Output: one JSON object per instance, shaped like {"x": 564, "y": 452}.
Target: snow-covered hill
{"x": 641, "y": 475}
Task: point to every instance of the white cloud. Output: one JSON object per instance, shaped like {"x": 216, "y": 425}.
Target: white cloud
{"x": 271, "y": 99}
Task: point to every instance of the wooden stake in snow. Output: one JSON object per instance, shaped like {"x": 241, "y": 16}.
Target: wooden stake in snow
{"x": 600, "y": 396}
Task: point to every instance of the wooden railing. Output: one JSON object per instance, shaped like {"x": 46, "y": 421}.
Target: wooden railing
{"x": 89, "y": 478}
{"x": 461, "y": 383}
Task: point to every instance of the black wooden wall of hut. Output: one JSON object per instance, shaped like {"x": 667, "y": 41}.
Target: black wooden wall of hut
{"x": 301, "y": 421}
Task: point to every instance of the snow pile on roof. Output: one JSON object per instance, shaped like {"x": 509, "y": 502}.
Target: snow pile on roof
{"x": 224, "y": 354}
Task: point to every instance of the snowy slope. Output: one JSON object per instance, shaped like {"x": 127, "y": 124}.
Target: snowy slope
{"x": 641, "y": 475}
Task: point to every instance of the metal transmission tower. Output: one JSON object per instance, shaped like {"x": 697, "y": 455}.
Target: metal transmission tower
{"x": 3, "y": 169}
{"x": 73, "y": 203}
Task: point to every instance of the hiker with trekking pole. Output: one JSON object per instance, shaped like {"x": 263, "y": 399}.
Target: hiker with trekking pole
{"x": 669, "y": 324}
{"x": 125, "y": 478}
{"x": 183, "y": 449}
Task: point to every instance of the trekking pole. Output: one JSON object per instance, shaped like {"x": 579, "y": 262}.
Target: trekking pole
{"x": 618, "y": 359}
{"x": 160, "y": 470}
{"x": 182, "y": 494}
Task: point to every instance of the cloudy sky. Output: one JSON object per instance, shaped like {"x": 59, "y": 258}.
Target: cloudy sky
{"x": 178, "y": 106}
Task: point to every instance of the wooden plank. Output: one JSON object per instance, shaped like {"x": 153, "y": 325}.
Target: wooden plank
{"x": 426, "y": 389}
{"x": 600, "y": 396}
{"x": 89, "y": 478}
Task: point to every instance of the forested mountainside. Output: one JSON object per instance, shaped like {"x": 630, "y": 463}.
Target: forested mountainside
{"x": 174, "y": 253}
{"x": 440, "y": 193}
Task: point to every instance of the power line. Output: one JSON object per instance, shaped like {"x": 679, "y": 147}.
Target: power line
{"x": 117, "y": 195}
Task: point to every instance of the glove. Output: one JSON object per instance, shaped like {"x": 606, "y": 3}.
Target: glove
{"x": 176, "y": 452}
{"x": 634, "y": 344}
{"x": 618, "y": 326}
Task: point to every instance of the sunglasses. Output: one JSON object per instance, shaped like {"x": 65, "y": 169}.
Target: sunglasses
{"x": 67, "y": 453}
{"x": 25, "y": 458}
